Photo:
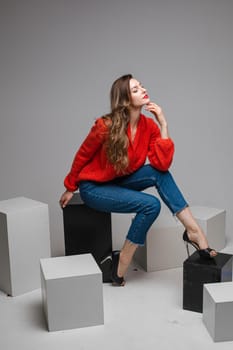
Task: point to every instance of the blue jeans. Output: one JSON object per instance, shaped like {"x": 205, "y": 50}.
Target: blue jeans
{"x": 123, "y": 195}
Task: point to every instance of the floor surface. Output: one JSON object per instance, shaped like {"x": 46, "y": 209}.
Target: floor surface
{"x": 146, "y": 314}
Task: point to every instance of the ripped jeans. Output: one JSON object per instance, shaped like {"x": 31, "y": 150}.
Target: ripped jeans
{"x": 123, "y": 195}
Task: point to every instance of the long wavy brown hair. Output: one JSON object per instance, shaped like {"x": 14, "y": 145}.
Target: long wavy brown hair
{"x": 117, "y": 120}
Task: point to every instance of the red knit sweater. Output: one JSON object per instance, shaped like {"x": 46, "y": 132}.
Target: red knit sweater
{"x": 91, "y": 163}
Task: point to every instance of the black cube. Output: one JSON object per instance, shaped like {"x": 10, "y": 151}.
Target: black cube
{"x": 88, "y": 231}
{"x": 197, "y": 271}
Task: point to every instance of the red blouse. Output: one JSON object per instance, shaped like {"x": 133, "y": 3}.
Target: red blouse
{"x": 91, "y": 163}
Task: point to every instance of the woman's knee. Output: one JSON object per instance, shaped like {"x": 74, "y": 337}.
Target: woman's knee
{"x": 158, "y": 177}
{"x": 153, "y": 207}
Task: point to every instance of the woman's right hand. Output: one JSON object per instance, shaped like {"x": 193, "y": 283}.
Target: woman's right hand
{"x": 65, "y": 198}
{"x": 157, "y": 111}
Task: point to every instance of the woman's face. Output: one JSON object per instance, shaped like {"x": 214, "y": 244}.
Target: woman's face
{"x": 138, "y": 94}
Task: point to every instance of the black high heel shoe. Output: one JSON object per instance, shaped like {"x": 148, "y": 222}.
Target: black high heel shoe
{"x": 204, "y": 253}
{"x": 106, "y": 268}
{"x": 116, "y": 280}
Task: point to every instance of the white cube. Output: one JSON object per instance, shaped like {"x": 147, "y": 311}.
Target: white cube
{"x": 218, "y": 310}
{"x": 164, "y": 247}
{"x": 24, "y": 240}
{"x": 72, "y": 292}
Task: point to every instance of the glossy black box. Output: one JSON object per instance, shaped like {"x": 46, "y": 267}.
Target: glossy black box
{"x": 88, "y": 231}
{"x": 197, "y": 271}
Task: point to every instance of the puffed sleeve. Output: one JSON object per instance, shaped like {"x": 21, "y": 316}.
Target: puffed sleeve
{"x": 86, "y": 152}
{"x": 161, "y": 151}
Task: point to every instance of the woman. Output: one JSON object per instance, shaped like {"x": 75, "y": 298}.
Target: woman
{"x": 109, "y": 170}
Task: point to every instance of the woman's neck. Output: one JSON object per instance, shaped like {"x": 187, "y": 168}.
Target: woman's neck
{"x": 134, "y": 116}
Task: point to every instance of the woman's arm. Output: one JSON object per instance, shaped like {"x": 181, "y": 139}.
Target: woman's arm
{"x": 160, "y": 118}
{"x": 161, "y": 147}
{"x": 86, "y": 152}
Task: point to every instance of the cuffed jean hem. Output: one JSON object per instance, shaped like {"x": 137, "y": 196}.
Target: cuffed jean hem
{"x": 131, "y": 242}
{"x": 134, "y": 243}
{"x": 180, "y": 210}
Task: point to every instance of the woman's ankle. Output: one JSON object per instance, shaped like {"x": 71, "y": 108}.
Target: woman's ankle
{"x": 197, "y": 236}
{"x": 123, "y": 265}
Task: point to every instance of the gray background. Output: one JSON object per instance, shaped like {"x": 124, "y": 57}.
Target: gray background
{"x": 57, "y": 63}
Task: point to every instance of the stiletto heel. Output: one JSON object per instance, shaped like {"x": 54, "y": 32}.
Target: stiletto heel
{"x": 116, "y": 280}
{"x": 187, "y": 248}
{"x": 203, "y": 253}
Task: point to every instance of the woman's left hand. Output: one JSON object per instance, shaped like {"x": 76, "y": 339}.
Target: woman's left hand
{"x": 157, "y": 111}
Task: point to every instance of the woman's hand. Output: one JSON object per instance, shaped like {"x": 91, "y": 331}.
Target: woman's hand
{"x": 159, "y": 116}
{"x": 65, "y": 198}
{"x": 157, "y": 111}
